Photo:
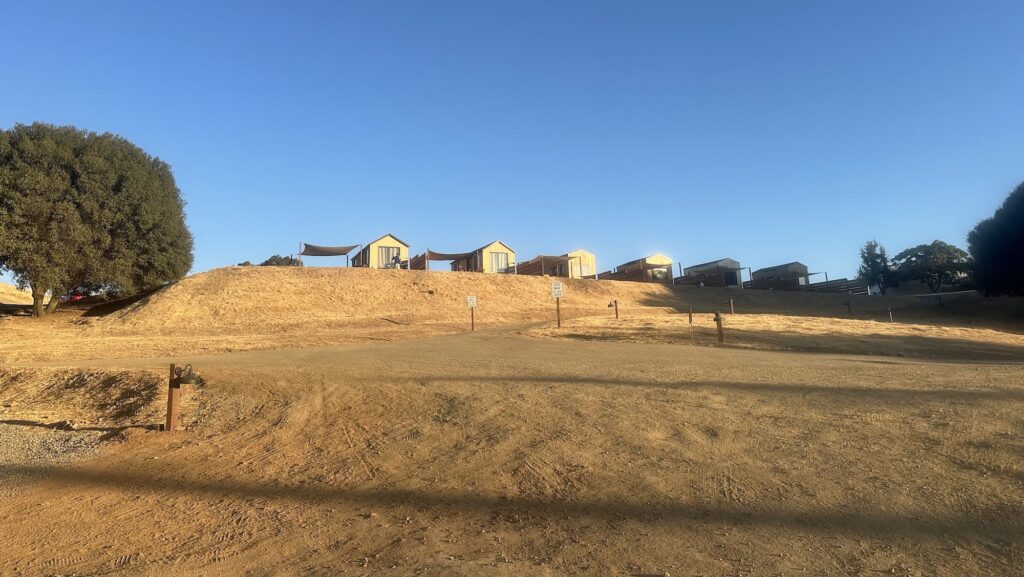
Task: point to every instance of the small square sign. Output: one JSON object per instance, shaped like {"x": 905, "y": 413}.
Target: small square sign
{"x": 471, "y": 301}
{"x": 556, "y": 289}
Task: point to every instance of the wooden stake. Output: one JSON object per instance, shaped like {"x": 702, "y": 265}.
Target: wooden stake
{"x": 173, "y": 401}
{"x": 721, "y": 331}
{"x": 558, "y": 310}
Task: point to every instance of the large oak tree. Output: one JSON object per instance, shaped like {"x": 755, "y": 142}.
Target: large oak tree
{"x": 80, "y": 209}
{"x": 997, "y": 245}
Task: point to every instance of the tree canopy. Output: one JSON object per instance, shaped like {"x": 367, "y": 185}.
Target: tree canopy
{"x": 278, "y": 260}
{"x": 84, "y": 209}
{"x": 874, "y": 264}
{"x": 935, "y": 264}
{"x": 997, "y": 245}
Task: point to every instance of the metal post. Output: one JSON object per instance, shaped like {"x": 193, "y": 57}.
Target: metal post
{"x": 558, "y": 310}
{"x": 718, "y": 323}
{"x": 173, "y": 401}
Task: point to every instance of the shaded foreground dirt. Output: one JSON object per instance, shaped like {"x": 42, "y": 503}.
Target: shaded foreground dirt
{"x": 806, "y": 333}
{"x": 498, "y": 454}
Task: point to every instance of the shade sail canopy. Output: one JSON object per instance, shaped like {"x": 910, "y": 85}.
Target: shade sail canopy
{"x": 431, "y": 255}
{"x": 552, "y": 259}
{"x": 315, "y": 250}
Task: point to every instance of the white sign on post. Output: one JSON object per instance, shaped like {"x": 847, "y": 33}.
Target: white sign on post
{"x": 556, "y": 290}
{"x": 471, "y": 301}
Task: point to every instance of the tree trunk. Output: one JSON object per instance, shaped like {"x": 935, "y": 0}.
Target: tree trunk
{"x": 37, "y": 302}
{"x": 51, "y": 307}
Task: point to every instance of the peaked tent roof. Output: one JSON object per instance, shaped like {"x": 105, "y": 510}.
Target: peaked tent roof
{"x": 778, "y": 266}
{"x": 718, "y": 262}
{"x": 387, "y": 235}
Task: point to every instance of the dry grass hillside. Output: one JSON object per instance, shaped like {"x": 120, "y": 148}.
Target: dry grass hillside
{"x": 262, "y": 308}
{"x": 239, "y": 300}
{"x": 12, "y": 295}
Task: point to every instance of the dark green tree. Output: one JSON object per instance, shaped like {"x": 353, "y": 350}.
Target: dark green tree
{"x": 80, "y": 209}
{"x": 997, "y": 246}
{"x": 278, "y": 260}
{"x": 874, "y": 264}
{"x": 936, "y": 264}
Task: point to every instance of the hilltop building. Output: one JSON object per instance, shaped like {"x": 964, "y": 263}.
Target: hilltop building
{"x": 653, "y": 268}
{"x": 723, "y": 272}
{"x": 382, "y": 253}
{"x": 496, "y": 257}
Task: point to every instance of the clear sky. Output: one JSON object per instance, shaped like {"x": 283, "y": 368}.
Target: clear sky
{"x": 761, "y": 131}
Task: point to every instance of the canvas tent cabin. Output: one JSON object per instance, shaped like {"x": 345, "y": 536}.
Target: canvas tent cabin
{"x": 789, "y": 276}
{"x": 382, "y": 253}
{"x": 582, "y": 265}
{"x": 495, "y": 257}
{"x": 576, "y": 264}
{"x": 717, "y": 273}
{"x": 653, "y": 268}
{"x": 546, "y": 265}
{"x": 318, "y": 250}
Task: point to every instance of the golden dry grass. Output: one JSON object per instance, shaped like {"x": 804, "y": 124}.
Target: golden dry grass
{"x": 12, "y": 295}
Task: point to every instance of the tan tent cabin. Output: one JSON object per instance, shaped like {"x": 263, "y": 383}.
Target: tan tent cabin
{"x": 496, "y": 257}
{"x": 583, "y": 265}
{"x": 723, "y": 272}
{"x": 388, "y": 251}
{"x": 789, "y": 276}
{"x": 654, "y": 268}
{"x": 576, "y": 264}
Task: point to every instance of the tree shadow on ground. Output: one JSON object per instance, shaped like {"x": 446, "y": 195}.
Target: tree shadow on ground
{"x": 15, "y": 310}
{"x": 867, "y": 393}
{"x": 1002, "y": 524}
{"x": 910, "y": 346}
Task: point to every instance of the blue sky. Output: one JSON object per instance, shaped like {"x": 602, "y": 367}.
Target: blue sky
{"x": 762, "y": 131}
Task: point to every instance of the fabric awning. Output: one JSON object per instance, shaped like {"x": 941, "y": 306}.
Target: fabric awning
{"x": 431, "y": 255}
{"x": 315, "y": 250}
{"x": 550, "y": 259}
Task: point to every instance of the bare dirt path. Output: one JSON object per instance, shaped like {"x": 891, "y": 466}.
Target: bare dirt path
{"x": 502, "y": 454}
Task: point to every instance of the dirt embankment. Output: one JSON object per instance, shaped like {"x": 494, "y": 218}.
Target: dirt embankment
{"x": 57, "y": 416}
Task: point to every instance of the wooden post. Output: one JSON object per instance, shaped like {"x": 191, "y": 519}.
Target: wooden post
{"x": 890, "y": 315}
{"x": 691, "y": 315}
{"x": 173, "y": 401}
{"x": 558, "y": 311}
{"x": 472, "y": 318}
{"x": 616, "y": 309}
{"x": 721, "y": 331}
{"x": 849, "y": 306}
{"x": 732, "y": 307}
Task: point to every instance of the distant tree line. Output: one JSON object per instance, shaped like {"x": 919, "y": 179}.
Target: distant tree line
{"x": 85, "y": 210}
{"x": 276, "y": 260}
{"x": 995, "y": 264}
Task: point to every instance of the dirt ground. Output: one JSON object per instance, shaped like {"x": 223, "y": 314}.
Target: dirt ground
{"x": 519, "y": 449}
